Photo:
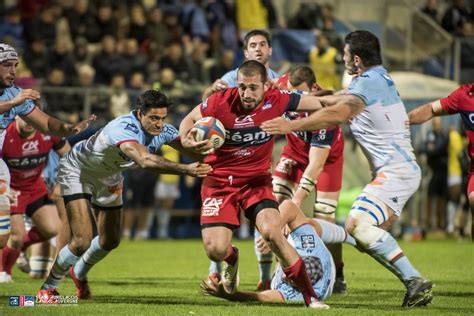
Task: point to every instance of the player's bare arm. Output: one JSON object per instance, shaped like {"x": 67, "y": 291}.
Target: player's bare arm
{"x": 426, "y": 112}
{"x": 158, "y": 164}
{"x": 317, "y": 159}
{"x": 337, "y": 110}
{"x": 187, "y": 134}
{"x": 19, "y": 99}
{"x": 215, "y": 288}
{"x": 52, "y": 126}
{"x": 176, "y": 144}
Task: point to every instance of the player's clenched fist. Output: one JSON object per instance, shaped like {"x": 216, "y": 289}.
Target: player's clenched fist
{"x": 25, "y": 94}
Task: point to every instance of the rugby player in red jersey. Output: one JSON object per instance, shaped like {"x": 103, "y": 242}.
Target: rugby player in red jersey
{"x": 312, "y": 160}
{"x": 241, "y": 178}
{"x": 25, "y": 153}
{"x": 459, "y": 101}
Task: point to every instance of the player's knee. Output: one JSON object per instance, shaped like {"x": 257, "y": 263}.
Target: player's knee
{"x": 50, "y": 232}
{"x": 79, "y": 244}
{"x": 215, "y": 251}
{"x": 325, "y": 209}
{"x": 111, "y": 243}
{"x": 368, "y": 208}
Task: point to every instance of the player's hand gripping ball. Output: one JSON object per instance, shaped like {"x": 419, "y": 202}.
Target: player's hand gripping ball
{"x": 212, "y": 129}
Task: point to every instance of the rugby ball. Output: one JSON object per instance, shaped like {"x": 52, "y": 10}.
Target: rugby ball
{"x": 212, "y": 129}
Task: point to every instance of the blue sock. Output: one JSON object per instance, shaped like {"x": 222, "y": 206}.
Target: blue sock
{"x": 215, "y": 267}
{"x": 334, "y": 234}
{"x": 60, "y": 267}
{"x": 93, "y": 255}
{"x": 387, "y": 247}
{"x": 264, "y": 260}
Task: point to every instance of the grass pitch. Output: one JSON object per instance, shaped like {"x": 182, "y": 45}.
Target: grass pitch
{"x": 162, "y": 278}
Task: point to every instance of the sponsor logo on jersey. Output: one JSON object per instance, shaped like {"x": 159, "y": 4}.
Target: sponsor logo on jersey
{"x": 244, "y": 121}
{"x": 211, "y": 206}
{"x": 267, "y": 105}
{"x": 244, "y": 152}
{"x": 394, "y": 199}
{"x": 307, "y": 241}
{"x": 26, "y": 163}
{"x": 246, "y": 137}
{"x": 30, "y": 147}
{"x": 132, "y": 127}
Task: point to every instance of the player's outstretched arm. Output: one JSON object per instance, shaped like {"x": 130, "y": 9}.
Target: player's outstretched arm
{"x": 19, "y": 99}
{"x": 158, "y": 164}
{"x": 49, "y": 125}
{"x": 214, "y": 288}
{"x": 317, "y": 159}
{"x": 425, "y": 112}
{"x": 337, "y": 110}
{"x": 216, "y": 86}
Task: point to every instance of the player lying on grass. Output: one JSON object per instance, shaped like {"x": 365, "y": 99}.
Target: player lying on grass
{"x": 307, "y": 236}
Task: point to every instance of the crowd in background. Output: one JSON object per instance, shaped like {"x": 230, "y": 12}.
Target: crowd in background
{"x": 105, "y": 53}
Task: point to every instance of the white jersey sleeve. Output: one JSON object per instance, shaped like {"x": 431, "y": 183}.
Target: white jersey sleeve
{"x": 381, "y": 128}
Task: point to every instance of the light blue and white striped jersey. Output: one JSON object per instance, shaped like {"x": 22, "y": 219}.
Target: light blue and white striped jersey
{"x": 381, "y": 128}
{"x": 307, "y": 244}
{"x": 101, "y": 154}
{"x": 231, "y": 77}
{"x": 7, "y": 117}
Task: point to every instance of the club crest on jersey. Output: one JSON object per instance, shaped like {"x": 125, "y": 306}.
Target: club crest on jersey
{"x": 131, "y": 127}
{"x": 307, "y": 241}
{"x": 30, "y": 147}
{"x": 244, "y": 121}
{"x": 211, "y": 206}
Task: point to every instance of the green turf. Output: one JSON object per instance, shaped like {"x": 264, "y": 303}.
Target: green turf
{"x": 162, "y": 277}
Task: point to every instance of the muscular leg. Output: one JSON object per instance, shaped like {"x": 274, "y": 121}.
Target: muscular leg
{"x": 268, "y": 222}
{"x": 109, "y": 224}
{"x": 13, "y": 248}
{"x": 81, "y": 235}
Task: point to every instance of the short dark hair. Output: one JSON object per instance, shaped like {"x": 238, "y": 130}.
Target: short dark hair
{"x": 365, "y": 45}
{"x": 152, "y": 99}
{"x": 251, "y": 68}
{"x": 255, "y": 33}
{"x": 300, "y": 74}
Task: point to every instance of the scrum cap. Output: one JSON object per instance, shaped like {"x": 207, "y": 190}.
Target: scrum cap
{"x": 7, "y": 53}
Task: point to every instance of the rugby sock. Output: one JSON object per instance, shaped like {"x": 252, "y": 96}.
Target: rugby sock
{"x": 9, "y": 257}
{"x": 39, "y": 265}
{"x": 93, "y": 255}
{"x": 297, "y": 273}
{"x": 232, "y": 256}
{"x": 264, "y": 260}
{"x": 33, "y": 237}
{"x": 215, "y": 267}
{"x": 60, "y": 267}
{"x": 333, "y": 234}
{"x": 387, "y": 248}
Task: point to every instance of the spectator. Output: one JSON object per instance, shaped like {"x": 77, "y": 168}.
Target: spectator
{"x": 324, "y": 59}
{"x": 175, "y": 31}
{"x": 193, "y": 19}
{"x": 456, "y": 16}
{"x": 255, "y": 14}
{"x": 175, "y": 60}
{"x": 138, "y": 27}
{"x": 156, "y": 30}
{"x": 436, "y": 149}
{"x": 134, "y": 60}
{"x": 308, "y": 17}
{"x": 108, "y": 61}
{"x": 104, "y": 23}
{"x": 81, "y": 53}
{"x": 119, "y": 103}
{"x": 221, "y": 21}
{"x": 12, "y": 26}
{"x": 43, "y": 26}
{"x": 431, "y": 9}
{"x": 225, "y": 64}
{"x": 61, "y": 102}
{"x": 36, "y": 57}
{"x": 197, "y": 70}
{"x": 61, "y": 57}
{"x": 79, "y": 18}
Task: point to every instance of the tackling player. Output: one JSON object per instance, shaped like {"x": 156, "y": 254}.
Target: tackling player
{"x": 90, "y": 176}
{"x": 459, "y": 101}
{"x": 378, "y": 123}
{"x": 311, "y": 160}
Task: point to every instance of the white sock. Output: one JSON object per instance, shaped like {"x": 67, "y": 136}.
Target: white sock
{"x": 93, "y": 255}
{"x": 163, "y": 223}
{"x": 64, "y": 260}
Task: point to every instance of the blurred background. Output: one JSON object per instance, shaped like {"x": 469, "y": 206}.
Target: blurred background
{"x": 98, "y": 56}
